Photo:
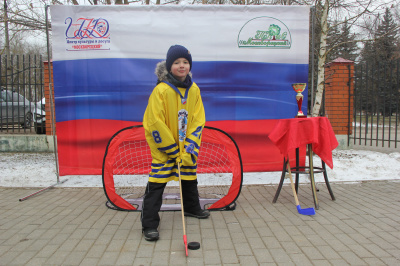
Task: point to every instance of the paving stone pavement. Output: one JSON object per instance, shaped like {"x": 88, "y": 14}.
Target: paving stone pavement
{"x": 72, "y": 226}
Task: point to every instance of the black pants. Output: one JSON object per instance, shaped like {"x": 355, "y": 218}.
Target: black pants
{"x": 153, "y": 200}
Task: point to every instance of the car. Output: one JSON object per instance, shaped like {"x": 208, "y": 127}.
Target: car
{"x": 39, "y": 117}
{"x": 15, "y": 109}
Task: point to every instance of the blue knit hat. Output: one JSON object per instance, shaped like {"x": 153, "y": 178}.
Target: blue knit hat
{"x": 175, "y": 52}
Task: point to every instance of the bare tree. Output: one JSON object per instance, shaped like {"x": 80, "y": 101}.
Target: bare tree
{"x": 355, "y": 11}
{"x": 20, "y": 19}
{"x": 350, "y": 12}
{"x": 6, "y": 35}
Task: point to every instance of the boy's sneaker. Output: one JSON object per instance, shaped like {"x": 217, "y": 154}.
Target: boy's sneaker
{"x": 200, "y": 214}
{"x": 151, "y": 234}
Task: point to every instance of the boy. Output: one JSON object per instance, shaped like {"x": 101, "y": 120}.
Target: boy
{"x": 173, "y": 123}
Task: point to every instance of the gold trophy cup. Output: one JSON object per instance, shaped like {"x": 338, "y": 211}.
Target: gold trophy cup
{"x": 299, "y": 88}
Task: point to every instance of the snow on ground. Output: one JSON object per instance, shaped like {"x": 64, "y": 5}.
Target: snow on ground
{"x": 39, "y": 170}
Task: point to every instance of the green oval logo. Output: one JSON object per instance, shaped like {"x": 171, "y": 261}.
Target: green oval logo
{"x": 266, "y": 33}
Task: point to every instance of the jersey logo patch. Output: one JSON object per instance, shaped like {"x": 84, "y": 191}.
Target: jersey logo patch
{"x": 190, "y": 148}
{"x": 182, "y": 124}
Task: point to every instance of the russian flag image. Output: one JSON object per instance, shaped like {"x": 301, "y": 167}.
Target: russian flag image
{"x": 245, "y": 59}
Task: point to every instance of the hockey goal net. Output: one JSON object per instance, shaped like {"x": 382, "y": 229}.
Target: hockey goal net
{"x": 127, "y": 164}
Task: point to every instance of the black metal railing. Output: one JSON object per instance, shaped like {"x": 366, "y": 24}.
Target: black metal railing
{"x": 22, "y": 91}
{"x": 376, "y": 117}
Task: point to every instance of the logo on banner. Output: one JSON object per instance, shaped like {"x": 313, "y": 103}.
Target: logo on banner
{"x": 264, "y": 32}
{"x": 85, "y": 34}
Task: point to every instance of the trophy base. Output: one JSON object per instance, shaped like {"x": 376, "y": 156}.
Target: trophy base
{"x": 300, "y": 115}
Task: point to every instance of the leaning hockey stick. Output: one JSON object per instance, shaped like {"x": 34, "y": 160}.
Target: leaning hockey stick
{"x": 182, "y": 210}
{"x": 308, "y": 211}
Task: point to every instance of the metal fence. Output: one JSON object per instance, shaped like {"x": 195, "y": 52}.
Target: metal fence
{"x": 376, "y": 105}
{"x": 22, "y": 93}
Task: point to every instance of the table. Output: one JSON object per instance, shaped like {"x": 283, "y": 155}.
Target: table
{"x": 317, "y": 134}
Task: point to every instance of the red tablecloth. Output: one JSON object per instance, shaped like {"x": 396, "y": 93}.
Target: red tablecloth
{"x": 290, "y": 134}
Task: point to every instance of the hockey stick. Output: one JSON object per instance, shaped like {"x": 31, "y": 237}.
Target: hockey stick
{"x": 182, "y": 210}
{"x": 308, "y": 211}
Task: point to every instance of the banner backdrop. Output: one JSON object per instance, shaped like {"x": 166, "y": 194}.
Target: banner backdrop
{"x": 245, "y": 59}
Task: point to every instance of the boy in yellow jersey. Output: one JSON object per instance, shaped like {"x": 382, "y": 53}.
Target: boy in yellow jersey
{"x": 173, "y": 121}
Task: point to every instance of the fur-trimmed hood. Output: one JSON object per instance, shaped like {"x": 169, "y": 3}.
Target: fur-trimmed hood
{"x": 161, "y": 71}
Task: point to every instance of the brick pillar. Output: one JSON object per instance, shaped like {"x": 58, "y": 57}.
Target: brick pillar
{"x": 47, "y": 96}
{"x": 339, "y": 88}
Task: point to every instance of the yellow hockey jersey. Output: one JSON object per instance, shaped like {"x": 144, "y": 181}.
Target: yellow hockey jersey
{"x": 173, "y": 130}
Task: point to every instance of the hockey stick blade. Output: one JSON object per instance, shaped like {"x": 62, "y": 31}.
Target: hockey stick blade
{"x": 307, "y": 211}
{"x": 186, "y": 246}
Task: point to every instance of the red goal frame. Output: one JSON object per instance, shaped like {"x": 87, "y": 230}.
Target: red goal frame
{"x": 213, "y": 140}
